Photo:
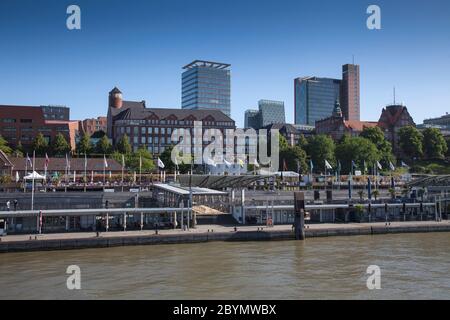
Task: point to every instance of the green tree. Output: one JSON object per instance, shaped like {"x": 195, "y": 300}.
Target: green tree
{"x": 302, "y": 142}
{"x": 60, "y": 146}
{"x": 20, "y": 150}
{"x": 295, "y": 159}
{"x": 40, "y": 145}
{"x": 85, "y": 146}
{"x": 448, "y": 147}
{"x": 123, "y": 145}
{"x": 434, "y": 144}
{"x": 376, "y": 136}
{"x": 4, "y": 146}
{"x": 320, "y": 148}
{"x": 283, "y": 144}
{"x": 103, "y": 146}
{"x": 147, "y": 160}
{"x": 410, "y": 141}
{"x": 356, "y": 149}
{"x": 166, "y": 158}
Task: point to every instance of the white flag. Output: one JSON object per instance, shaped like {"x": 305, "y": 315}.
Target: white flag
{"x": 328, "y": 165}
{"x": 29, "y": 161}
{"x": 391, "y": 166}
{"x": 255, "y": 162}
{"x": 160, "y": 164}
{"x": 17, "y": 176}
{"x": 379, "y": 165}
{"x": 105, "y": 162}
{"x": 227, "y": 163}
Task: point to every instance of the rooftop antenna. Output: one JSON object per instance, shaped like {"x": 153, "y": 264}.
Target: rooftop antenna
{"x": 394, "y": 95}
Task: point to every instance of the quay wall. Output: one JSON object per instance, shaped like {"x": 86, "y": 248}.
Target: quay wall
{"x": 178, "y": 238}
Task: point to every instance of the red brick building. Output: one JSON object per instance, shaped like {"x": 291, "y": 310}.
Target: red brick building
{"x": 92, "y": 125}
{"x": 336, "y": 126}
{"x": 350, "y": 98}
{"x": 392, "y": 119}
{"x": 24, "y": 123}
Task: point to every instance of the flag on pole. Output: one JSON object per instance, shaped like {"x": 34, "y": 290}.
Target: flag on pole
{"x": 227, "y": 163}
{"x": 46, "y": 162}
{"x": 17, "y": 176}
{"x": 285, "y": 168}
{"x": 29, "y": 161}
{"x": 379, "y": 165}
{"x": 140, "y": 162}
{"x": 255, "y": 162}
{"x": 311, "y": 166}
{"x": 391, "y": 166}
{"x": 354, "y": 165}
{"x": 105, "y": 162}
{"x": 339, "y": 165}
{"x": 328, "y": 165}
{"x": 161, "y": 164}
{"x": 85, "y": 162}
{"x": 365, "y": 166}
{"x": 123, "y": 160}
{"x": 67, "y": 161}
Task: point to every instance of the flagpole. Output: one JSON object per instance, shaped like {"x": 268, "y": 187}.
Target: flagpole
{"x": 26, "y": 171}
{"x": 140, "y": 172}
{"x": 32, "y": 181}
{"x": 45, "y": 173}
{"x": 104, "y": 172}
{"x": 85, "y": 174}
{"x": 123, "y": 163}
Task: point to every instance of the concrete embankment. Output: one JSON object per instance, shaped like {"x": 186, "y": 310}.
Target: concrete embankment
{"x": 89, "y": 240}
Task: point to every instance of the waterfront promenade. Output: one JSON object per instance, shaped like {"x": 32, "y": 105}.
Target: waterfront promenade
{"x": 204, "y": 233}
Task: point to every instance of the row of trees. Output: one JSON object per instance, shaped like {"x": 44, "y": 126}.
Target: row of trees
{"x": 59, "y": 146}
{"x": 426, "y": 145}
{"x": 365, "y": 150}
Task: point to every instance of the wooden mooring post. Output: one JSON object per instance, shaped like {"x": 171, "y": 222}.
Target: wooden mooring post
{"x": 299, "y": 219}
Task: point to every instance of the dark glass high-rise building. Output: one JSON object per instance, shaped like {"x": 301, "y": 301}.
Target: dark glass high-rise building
{"x": 252, "y": 119}
{"x": 206, "y": 85}
{"x": 315, "y": 98}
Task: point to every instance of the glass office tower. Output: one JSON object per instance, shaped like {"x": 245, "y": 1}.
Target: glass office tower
{"x": 252, "y": 119}
{"x": 206, "y": 85}
{"x": 315, "y": 98}
{"x": 271, "y": 112}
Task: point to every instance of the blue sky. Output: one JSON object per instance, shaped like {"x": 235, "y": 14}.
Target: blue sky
{"x": 141, "y": 46}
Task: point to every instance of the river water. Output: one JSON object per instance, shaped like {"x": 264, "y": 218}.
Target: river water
{"x": 412, "y": 266}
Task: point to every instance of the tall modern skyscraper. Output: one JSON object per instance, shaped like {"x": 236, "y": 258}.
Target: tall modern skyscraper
{"x": 314, "y": 98}
{"x": 206, "y": 85}
{"x": 350, "y": 101}
{"x": 271, "y": 112}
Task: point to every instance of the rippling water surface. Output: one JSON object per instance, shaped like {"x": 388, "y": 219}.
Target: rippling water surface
{"x": 412, "y": 266}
